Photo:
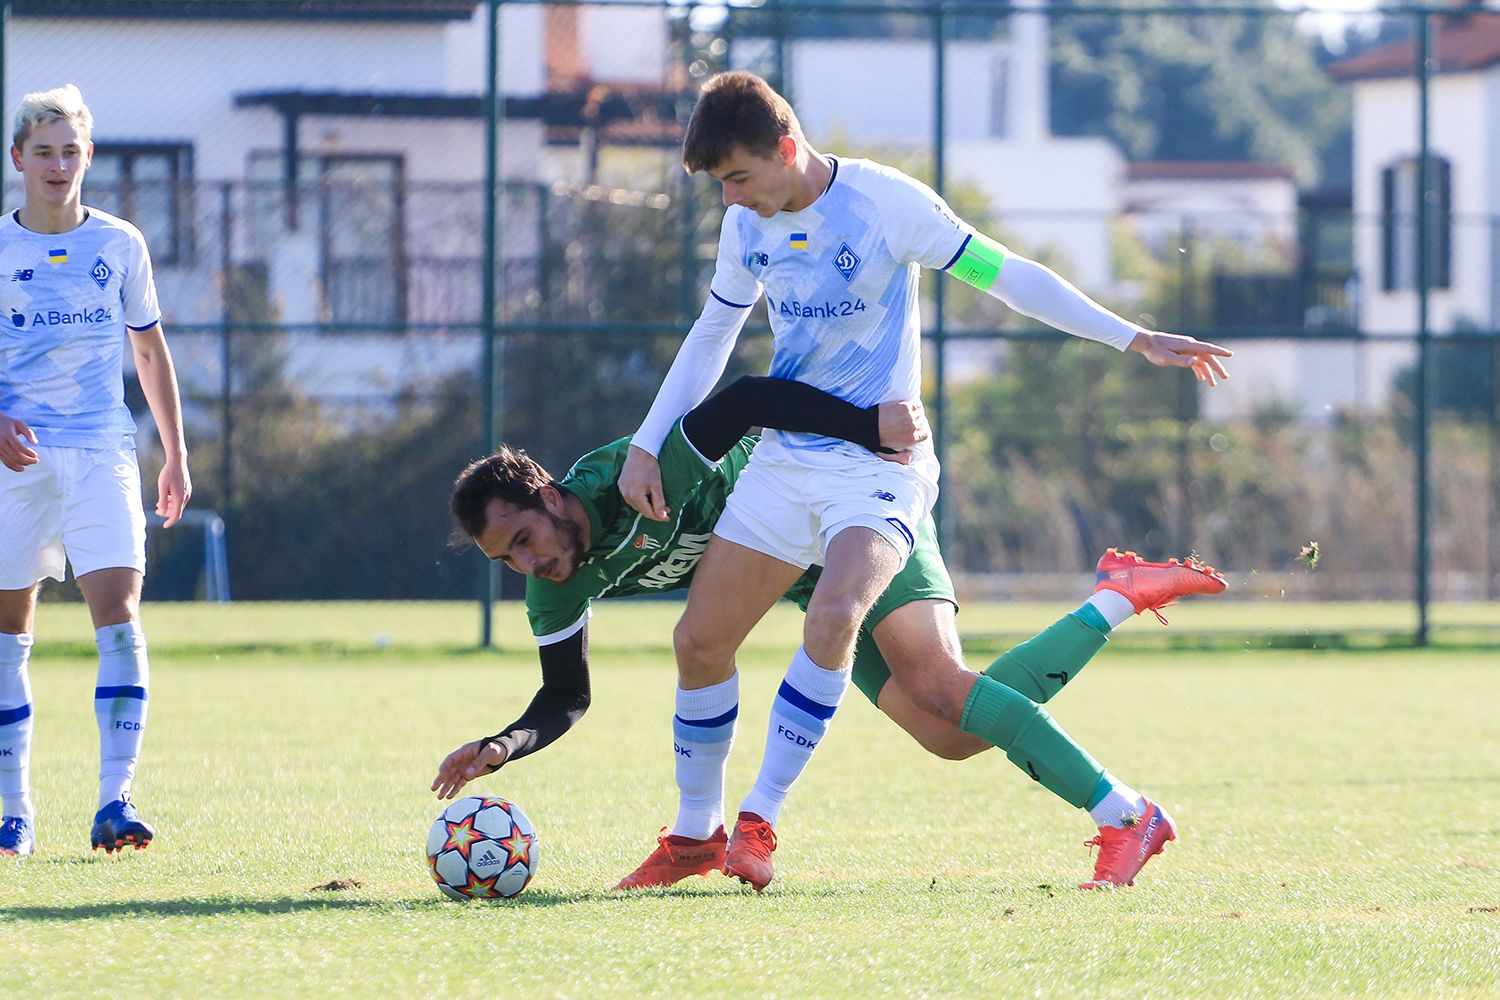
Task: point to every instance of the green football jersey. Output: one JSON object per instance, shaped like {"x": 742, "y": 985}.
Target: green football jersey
{"x": 630, "y": 554}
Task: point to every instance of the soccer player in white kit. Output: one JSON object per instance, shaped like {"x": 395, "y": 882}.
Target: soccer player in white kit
{"x": 835, "y": 245}
{"x": 76, "y": 281}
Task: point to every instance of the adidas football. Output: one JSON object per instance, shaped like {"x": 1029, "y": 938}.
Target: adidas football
{"x": 482, "y": 847}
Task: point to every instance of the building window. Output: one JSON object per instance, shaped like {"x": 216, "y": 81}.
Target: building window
{"x": 353, "y": 203}
{"x": 1400, "y": 187}
{"x": 151, "y": 186}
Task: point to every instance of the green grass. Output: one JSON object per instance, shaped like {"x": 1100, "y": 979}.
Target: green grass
{"x": 1339, "y": 816}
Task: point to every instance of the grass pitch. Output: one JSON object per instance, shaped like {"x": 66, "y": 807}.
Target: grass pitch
{"x": 1339, "y": 819}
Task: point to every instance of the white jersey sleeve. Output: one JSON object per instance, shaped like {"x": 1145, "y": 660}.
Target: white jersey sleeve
{"x": 919, "y": 226}
{"x": 734, "y": 284}
{"x": 138, "y": 289}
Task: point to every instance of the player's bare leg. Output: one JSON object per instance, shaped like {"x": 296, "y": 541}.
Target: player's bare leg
{"x": 17, "y": 816}
{"x": 114, "y": 600}
{"x": 733, "y": 587}
{"x": 921, "y": 639}
{"x": 859, "y": 565}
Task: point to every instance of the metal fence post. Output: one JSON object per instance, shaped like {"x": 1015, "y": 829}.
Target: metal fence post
{"x": 494, "y": 109}
{"x": 1424, "y": 335}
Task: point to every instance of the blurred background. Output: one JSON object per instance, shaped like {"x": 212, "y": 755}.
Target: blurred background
{"x": 389, "y": 234}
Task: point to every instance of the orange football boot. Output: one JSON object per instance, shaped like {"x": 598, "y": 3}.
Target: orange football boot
{"x": 1124, "y": 851}
{"x": 749, "y": 856}
{"x": 1150, "y": 586}
{"x": 677, "y": 858}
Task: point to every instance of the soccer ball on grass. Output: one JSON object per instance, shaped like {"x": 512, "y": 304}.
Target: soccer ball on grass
{"x": 482, "y": 847}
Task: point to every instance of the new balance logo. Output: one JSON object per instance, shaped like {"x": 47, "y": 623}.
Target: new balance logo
{"x": 759, "y": 259}
{"x": 25, "y": 274}
{"x": 884, "y": 495}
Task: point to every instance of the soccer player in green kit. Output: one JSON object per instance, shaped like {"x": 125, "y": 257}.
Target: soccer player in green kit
{"x": 576, "y": 540}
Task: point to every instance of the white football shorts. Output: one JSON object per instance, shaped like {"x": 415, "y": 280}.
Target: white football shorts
{"x": 78, "y": 504}
{"x": 791, "y": 512}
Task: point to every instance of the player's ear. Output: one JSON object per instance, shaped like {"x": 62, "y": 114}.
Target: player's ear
{"x": 551, "y": 498}
{"x": 15, "y": 157}
{"x": 786, "y": 150}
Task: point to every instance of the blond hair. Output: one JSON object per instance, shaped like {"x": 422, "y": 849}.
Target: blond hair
{"x": 44, "y": 107}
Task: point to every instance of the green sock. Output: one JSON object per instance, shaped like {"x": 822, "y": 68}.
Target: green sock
{"x": 1032, "y": 740}
{"x": 1039, "y": 667}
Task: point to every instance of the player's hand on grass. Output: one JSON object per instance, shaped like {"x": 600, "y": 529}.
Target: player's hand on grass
{"x": 174, "y": 488}
{"x": 463, "y": 765}
{"x": 14, "y": 454}
{"x": 903, "y": 426}
{"x": 1171, "y": 350}
{"x": 640, "y": 484}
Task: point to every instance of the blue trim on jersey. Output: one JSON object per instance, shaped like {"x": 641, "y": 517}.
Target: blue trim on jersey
{"x": 963, "y": 246}
{"x": 718, "y": 720}
{"x": 802, "y": 701}
{"x": 148, "y": 326}
{"x": 120, "y": 691}
{"x": 732, "y": 305}
{"x": 10, "y": 716}
{"x": 832, "y": 176}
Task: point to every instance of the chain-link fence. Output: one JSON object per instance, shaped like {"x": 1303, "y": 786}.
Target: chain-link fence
{"x": 314, "y": 181}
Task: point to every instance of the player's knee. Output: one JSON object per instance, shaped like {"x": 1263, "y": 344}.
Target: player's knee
{"x": 832, "y": 622}
{"x": 698, "y": 649}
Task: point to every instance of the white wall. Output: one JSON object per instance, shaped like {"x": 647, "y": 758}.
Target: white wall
{"x": 1461, "y": 126}
{"x": 1059, "y": 195}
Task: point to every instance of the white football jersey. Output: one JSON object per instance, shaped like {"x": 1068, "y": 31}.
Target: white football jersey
{"x": 840, "y": 280}
{"x": 66, "y": 300}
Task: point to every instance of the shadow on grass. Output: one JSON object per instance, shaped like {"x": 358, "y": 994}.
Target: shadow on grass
{"x": 198, "y": 907}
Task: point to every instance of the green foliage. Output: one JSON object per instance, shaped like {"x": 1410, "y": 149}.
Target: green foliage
{"x": 1173, "y": 87}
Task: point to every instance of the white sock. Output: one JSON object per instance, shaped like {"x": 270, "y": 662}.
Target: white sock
{"x": 15, "y": 726}
{"x": 120, "y": 706}
{"x": 702, "y": 733}
{"x": 1114, "y": 606}
{"x": 799, "y": 717}
{"x": 1121, "y": 804}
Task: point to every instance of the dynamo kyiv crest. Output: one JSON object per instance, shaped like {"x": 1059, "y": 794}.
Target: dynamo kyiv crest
{"x": 847, "y": 261}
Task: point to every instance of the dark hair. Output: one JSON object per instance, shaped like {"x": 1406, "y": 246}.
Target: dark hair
{"x": 736, "y": 109}
{"x": 509, "y": 474}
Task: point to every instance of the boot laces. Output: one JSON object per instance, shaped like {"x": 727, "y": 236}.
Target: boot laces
{"x": 759, "y": 839}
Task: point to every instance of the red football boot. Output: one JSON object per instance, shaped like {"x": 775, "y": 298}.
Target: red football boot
{"x": 676, "y": 858}
{"x": 1151, "y": 586}
{"x": 1124, "y": 851}
{"x": 749, "y": 855}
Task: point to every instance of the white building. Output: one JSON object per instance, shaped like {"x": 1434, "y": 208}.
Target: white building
{"x": 1464, "y": 145}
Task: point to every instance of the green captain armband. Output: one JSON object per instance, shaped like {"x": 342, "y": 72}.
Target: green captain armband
{"x": 980, "y": 262}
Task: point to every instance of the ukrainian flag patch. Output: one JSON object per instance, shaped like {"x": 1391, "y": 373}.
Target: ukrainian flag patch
{"x": 798, "y": 241}
{"x": 57, "y": 256}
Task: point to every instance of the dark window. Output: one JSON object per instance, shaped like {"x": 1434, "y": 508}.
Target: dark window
{"x": 150, "y": 186}
{"x": 353, "y": 205}
{"x": 1400, "y": 187}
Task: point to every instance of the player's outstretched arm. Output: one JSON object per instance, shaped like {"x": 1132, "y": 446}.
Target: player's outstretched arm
{"x": 1041, "y": 293}
{"x": 14, "y": 453}
{"x": 153, "y": 364}
{"x": 556, "y": 708}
